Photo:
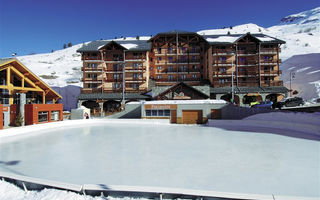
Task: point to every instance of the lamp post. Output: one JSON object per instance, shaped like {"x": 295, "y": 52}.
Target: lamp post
{"x": 123, "y": 81}
{"x": 292, "y": 76}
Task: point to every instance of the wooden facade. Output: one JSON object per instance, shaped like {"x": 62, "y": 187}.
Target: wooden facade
{"x": 15, "y": 79}
{"x": 103, "y": 71}
{"x": 220, "y": 61}
{"x": 21, "y": 89}
{"x": 177, "y": 57}
{"x": 253, "y": 64}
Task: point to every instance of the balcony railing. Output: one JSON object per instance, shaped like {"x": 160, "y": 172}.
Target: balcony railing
{"x": 91, "y": 68}
{"x": 223, "y": 52}
{"x": 91, "y": 58}
{"x": 247, "y": 63}
{"x": 90, "y": 90}
{"x": 268, "y": 51}
{"x": 247, "y": 52}
{"x": 97, "y": 79}
{"x": 117, "y": 80}
{"x": 175, "y": 79}
{"x": 272, "y": 83}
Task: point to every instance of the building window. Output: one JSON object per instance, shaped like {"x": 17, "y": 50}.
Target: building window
{"x": 194, "y": 67}
{"x": 194, "y": 58}
{"x": 116, "y": 85}
{"x": 222, "y": 69}
{"x": 157, "y": 113}
{"x": 170, "y": 68}
{"x": 43, "y": 116}
{"x": 159, "y": 58}
{"x": 170, "y": 59}
{"x": 170, "y": 77}
{"x": 148, "y": 113}
{"x": 170, "y": 50}
{"x": 183, "y": 49}
{"x": 4, "y": 96}
{"x": 159, "y": 50}
{"x": 55, "y": 115}
{"x": 222, "y": 59}
{"x": 159, "y": 67}
{"x": 135, "y": 86}
{"x": 159, "y": 77}
{"x": 183, "y": 77}
{"x": 183, "y": 58}
{"x": 194, "y": 75}
{"x": 117, "y": 76}
{"x": 183, "y": 68}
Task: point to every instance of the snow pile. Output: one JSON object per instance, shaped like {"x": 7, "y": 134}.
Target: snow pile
{"x": 11, "y": 192}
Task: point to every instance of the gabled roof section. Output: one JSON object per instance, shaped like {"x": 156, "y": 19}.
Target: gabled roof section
{"x": 112, "y": 43}
{"x": 234, "y": 38}
{"x": 130, "y": 45}
{"x": 175, "y": 32}
{"x": 181, "y": 85}
{"x": 52, "y": 94}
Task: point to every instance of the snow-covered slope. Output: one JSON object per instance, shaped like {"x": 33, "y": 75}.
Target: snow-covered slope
{"x": 59, "y": 68}
{"x": 300, "y": 31}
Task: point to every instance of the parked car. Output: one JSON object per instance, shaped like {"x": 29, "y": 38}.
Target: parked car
{"x": 263, "y": 104}
{"x": 289, "y": 102}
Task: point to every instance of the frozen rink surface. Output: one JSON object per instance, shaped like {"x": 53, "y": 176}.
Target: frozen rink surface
{"x": 140, "y": 153}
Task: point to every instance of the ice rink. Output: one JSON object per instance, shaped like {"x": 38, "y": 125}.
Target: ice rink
{"x": 164, "y": 155}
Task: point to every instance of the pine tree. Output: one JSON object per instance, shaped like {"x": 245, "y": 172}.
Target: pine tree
{"x": 138, "y": 37}
{"x": 69, "y": 44}
{"x": 52, "y": 51}
{"x": 64, "y": 46}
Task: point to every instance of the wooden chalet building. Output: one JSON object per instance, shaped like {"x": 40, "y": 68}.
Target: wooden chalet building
{"x": 22, "y": 92}
{"x": 249, "y": 62}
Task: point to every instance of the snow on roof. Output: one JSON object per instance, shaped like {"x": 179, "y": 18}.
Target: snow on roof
{"x": 129, "y": 46}
{"x": 230, "y": 39}
{"x": 206, "y": 101}
{"x": 265, "y": 38}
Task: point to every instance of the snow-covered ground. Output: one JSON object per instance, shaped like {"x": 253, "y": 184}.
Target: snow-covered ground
{"x": 194, "y": 157}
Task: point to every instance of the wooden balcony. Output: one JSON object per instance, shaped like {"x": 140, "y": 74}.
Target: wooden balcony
{"x": 218, "y": 52}
{"x": 86, "y": 79}
{"x": 272, "y": 83}
{"x": 271, "y": 72}
{"x": 268, "y": 51}
{"x": 90, "y": 90}
{"x": 269, "y": 62}
{"x": 90, "y": 57}
{"x": 178, "y": 79}
{"x": 223, "y": 63}
{"x": 223, "y": 74}
{"x": 247, "y": 63}
{"x": 113, "y": 80}
{"x": 247, "y": 52}
{"x": 134, "y": 79}
{"x": 91, "y": 69}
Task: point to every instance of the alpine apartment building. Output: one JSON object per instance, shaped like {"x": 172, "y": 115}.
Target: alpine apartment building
{"x": 134, "y": 67}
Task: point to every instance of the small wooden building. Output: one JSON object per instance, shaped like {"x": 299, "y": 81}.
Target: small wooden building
{"x": 183, "y": 111}
{"x": 22, "y": 92}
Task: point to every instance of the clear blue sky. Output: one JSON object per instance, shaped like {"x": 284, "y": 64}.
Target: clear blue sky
{"x": 38, "y": 26}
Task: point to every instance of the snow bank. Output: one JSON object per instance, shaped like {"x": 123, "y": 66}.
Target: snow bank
{"x": 207, "y": 101}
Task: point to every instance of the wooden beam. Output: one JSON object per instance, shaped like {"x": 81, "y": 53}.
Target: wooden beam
{"x": 43, "y": 97}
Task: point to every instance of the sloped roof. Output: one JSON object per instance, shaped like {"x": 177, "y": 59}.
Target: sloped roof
{"x": 233, "y": 38}
{"x": 24, "y": 70}
{"x": 174, "y": 32}
{"x": 112, "y": 96}
{"x": 166, "y": 91}
{"x": 243, "y": 90}
{"x": 130, "y": 45}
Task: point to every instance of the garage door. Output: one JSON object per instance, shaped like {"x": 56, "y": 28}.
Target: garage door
{"x": 191, "y": 116}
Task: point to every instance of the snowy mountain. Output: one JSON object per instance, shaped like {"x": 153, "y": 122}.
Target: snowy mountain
{"x": 306, "y": 72}
{"x": 300, "y": 31}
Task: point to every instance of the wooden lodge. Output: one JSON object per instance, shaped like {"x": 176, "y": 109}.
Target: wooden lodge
{"x": 140, "y": 67}
{"x": 22, "y": 92}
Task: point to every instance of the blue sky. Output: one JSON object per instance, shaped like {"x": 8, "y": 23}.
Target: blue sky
{"x": 39, "y": 26}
